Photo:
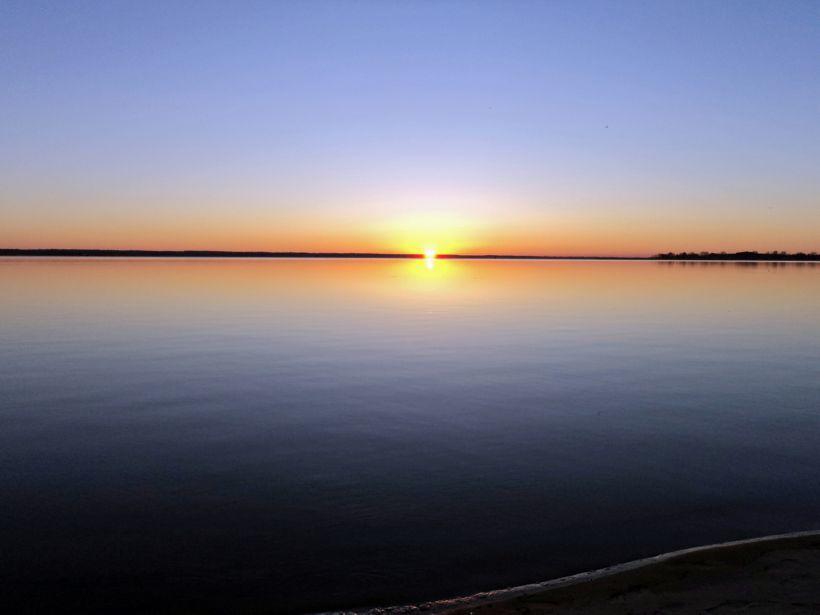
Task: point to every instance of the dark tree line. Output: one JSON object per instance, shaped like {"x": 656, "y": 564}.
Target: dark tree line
{"x": 739, "y": 256}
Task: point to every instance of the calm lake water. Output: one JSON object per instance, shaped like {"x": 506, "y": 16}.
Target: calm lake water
{"x": 298, "y": 435}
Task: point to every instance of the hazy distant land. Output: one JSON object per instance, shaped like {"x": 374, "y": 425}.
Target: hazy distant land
{"x": 706, "y": 256}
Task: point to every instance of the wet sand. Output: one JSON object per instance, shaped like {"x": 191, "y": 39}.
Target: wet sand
{"x": 775, "y": 574}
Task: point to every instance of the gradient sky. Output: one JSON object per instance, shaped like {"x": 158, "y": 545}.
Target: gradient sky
{"x": 621, "y": 128}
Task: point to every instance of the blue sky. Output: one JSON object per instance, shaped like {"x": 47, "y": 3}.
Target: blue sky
{"x": 572, "y": 127}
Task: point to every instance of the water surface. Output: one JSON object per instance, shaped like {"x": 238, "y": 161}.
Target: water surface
{"x": 297, "y": 435}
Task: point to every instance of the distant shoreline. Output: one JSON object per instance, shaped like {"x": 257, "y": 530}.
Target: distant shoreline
{"x": 231, "y": 254}
{"x": 683, "y": 256}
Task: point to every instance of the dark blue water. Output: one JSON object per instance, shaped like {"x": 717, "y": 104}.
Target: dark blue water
{"x": 230, "y": 436}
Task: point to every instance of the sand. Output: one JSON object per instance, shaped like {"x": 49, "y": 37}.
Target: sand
{"x": 775, "y": 574}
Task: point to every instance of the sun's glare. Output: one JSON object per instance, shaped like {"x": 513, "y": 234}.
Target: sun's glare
{"x": 419, "y": 232}
{"x": 429, "y": 257}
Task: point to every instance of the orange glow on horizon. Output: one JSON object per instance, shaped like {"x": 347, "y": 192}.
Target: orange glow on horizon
{"x": 568, "y": 234}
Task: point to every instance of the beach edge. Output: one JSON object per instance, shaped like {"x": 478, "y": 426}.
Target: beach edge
{"x": 522, "y": 591}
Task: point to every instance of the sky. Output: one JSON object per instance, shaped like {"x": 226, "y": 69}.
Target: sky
{"x": 562, "y": 128}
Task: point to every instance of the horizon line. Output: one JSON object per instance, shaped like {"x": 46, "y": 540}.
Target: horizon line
{"x": 103, "y": 252}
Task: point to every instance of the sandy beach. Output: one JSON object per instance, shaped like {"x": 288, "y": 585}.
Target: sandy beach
{"x": 773, "y": 574}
